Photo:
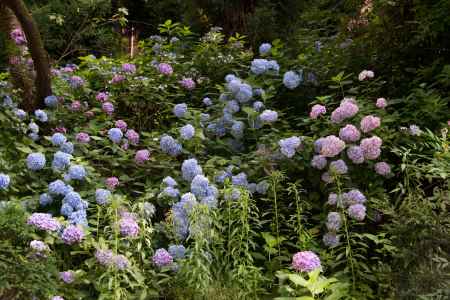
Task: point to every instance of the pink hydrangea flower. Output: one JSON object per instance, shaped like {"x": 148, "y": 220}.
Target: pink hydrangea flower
{"x": 365, "y": 75}
{"x": 18, "y": 36}
{"x": 188, "y": 83}
{"x": 121, "y": 124}
{"x": 108, "y": 108}
{"x": 89, "y": 114}
{"x": 349, "y": 133}
{"x": 383, "y": 168}
{"x": 82, "y": 137}
{"x": 142, "y": 156}
{"x": 369, "y": 123}
{"x": 347, "y": 109}
{"x": 331, "y": 146}
{"x": 305, "y": 261}
{"x": 117, "y": 78}
{"x": 132, "y": 136}
{"x": 75, "y": 106}
{"x": 102, "y": 97}
{"x": 381, "y": 103}
{"x": 112, "y": 182}
{"x": 317, "y": 110}
{"x": 371, "y": 147}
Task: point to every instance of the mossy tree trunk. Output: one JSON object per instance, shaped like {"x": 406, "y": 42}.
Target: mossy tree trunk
{"x": 37, "y": 51}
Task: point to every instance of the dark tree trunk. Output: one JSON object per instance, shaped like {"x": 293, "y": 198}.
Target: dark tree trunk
{"x": 37, "y": 51}
{"x": 236, "y": 14}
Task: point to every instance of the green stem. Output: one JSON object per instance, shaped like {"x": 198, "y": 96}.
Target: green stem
{"x": 274, "y": 189}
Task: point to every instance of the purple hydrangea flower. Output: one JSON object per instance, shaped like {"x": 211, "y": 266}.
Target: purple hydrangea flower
{"x": 162, "y": 258}
{"x": 188, "y": 83}
{"x": 142, "y": 156}
{"x": 44, "y": 221}
{"x": 132, "y": 136}
{"x": 305, "y": 261}
{"x": 122, "y": 125}
{"x": 331, "y": 239}
{"x": 67, "y": 276}
{"x": 357, "y": 211}
{"x": 349, "y": 133}
{"x": 356, "y": 155}
{"x": 102, "y": 97}
{"x": 334, "y": 221}
{"x": 18, "y": 36}
{"x": 288, "y": 146}
{"x": 20, "y": 113}
{"x": 207, "y": 101}
{"x": 108, "y": 108}
{"x": 129, "y": 68}
{"x": 104, "y": 256}
{"x": 369, "y": 123}
{"x": 338, "y": 167}
{"x": 72, "y": 234}
{"x": 317, "y": 110}
{"x": 38, "y": 246}
{"x": 347, "y": 109}
{"x": 112, "y": 182}
{"x": 128, "y": 227}
{"x": 319, "y": 162}
{"x": 353, "y": 197}
{"x": 165, "y": 69}
{"x": 82, "y": 137}
{"x": 381, "y": 103}
{"x": 117, "y": 78}
{"x": 240, "y": 180}
{"x": 76, "y": 82}
{"x": 120, "y": 262}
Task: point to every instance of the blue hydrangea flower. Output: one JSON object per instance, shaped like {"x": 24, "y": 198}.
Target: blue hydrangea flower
{"x": 289, "y": 146}
{"x": 20, "y": 113}
{"x": 291, "y": 80}
{"x": 258, "y": 105}
{"x": 199, "y": 186}
{"x": 207, "y": 101}
{"x": 115, "y": 135}
{"x": 73, "y": 199}
{"x": 234, "y": 194}
{"x": 170, "y": 146}
{"x": 187, "y": 132}
{"x": 204, "y": 117}
{"x": 4, "y": 181}
{"x": 262, "y": 187}
{"x": 41, "y": 115}
{"x": 237, "y": 130}
{"x": 51, "y": 101}
{"x": 61, "y": 160}
{"x": 188, "y": 201}
{"x": 251, "y": 187}
{"x": 33, "y": 136}
{"x": 231, "y": 107}
{"x": 245, "y": 93}
{"x": 240, "y": 179}
{"x": 180, "y": 110}
{"x": 33, "y": 127}
{"x": 233, "y": 86}
{"x": 230, "y": 77}
{"x": 8, "y": 102}
{"x": 169, "y": 181}
{"x": 77, "y": 172}
{"x": 190, "y": 168}
{"x": 273, "y": 66}
{"x": 259, "y": 66}
{"x": 217, "y": 129}
{"x": 268, "y": 116}
{"x": 177, "y": 251}
{"x": 220, "y": 178}
{"x": 45, "y": 199}
{"x": 102, "y": 196}
{"x": 78, "y": 218}
{"x": 258, "y": 92}
{"x": 36, "y": 161}
{"x": 67, "y": 147}
{"x": 58, "y": 187}
{"x": 265, "y": 48}
{"x": 180, "y": 221}
{"x": 209, "y": 201}
{"x": 170, "y": 192}
{"x": 66, "y": 210}
{"x": 58, "y": 139}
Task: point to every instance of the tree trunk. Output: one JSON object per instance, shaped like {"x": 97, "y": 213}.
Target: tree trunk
{"x": 37, "y": 51}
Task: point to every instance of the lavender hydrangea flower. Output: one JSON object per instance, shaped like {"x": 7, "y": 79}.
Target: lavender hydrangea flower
{"x": 357, "y": 211}
{"x": 162, "y": 258}
{"x": 169, "y": 181}
{"x": 129, "y": 68}
{"x": 187, "y": 132}
{"x": 415, "y": 130}
{"x": 349, "y": 133}
{"x": 76, "y": 82}
{"x": 41, "y": 115}
{"x": 77, "y": 172}
{"x": 121, "y": 262}
{"x": 190, "y": 168}
{"x": 108, "y": 108}
{"x": 265, "y": 48}
{"x": 207, "y": 101}
{"x": 67, "y": 276}
{"x": 230, "y": 77}
{"x": 383, "y": 168}
{"x": 165, "y": 69}
{"x": 353, "y": 197}
{"x": 170, "y": 146}
{"x": 142, "y": 156}
{"x": 338, "y": 167}
{"x": 20, "y": 113}
{"x": 288, "y": 146}
{"x": 72, "y": 234}
{"x": 369, "y": 123}
{"x": 356, "y": 155}
{"x": 36, "y": 161}
{"x": 305, "y": 261}
{"x": 18, "y": 36}
{"x": 240, "y": 180}
{"x": 122, "y": 125}
{"x": 51, "y": 101}
{"x": 115, "y": 135}
{"x": 317, "y": 110}
{"x": 170, "y": 192}
{"x": 231, "y": 107}
{"x": 331, "y": 146}
{"x": 102, "y": 97}
{"x": 4, "y": 181}
{"x": 128, "y": 227}
{"x": 371, "y": 147}
{"x": 331, "y": 239}
{"x": 291, "y": 80}
{"x": 44, "y": 221}
{"x": 39, "y": 246}
{"x": 326, "y": 177}
{"x": 180, "y": 110}
{"x": 188, "y": 83}
{"x": 132, "y": 136}
{"x": 268, "y": 116}
{"x": 258, "y": 105}
{"x": 104, "y": 256}
{"x": 334, "y": 221}
{"x": 319, "y": 162}
{"x": 177, "y": 251}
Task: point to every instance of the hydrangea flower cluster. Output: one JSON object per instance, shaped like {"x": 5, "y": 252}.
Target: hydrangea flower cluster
{"x": 170, "y": 146}
{"x": 305, "y": 261}
{"x": 4, "y": 181}
{"x": 67, "y": 276}
{"x": 44, "y": 222}
{"x": 288, "y": 146}
{"x": 112, "y": 182}
{"x": 128, "y": 226}
{"x": 72, "y": 235}
{"x": 142, "y": 156}
{"x": 102, "y": 196}
{"x": 265, "y": 48}
{"x": 188, "y": 83}
{"x": 162, "y": 258}
{"x": 369, "y": 123}
{"x": 180, "y": 110}
{"x": 366, "y": 75}
{"x": 18, "y": 37}
{"x": 187, "y": 132}
{"x": 347, "y": 109}
{"x": 291, "y": 79}
{"x": 165, "y": 69}
{"x": 317, "y": 110}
